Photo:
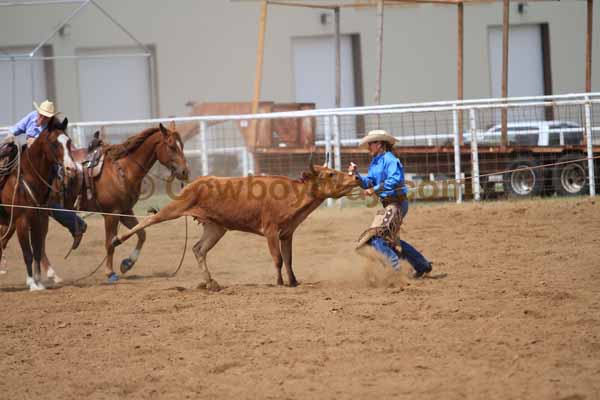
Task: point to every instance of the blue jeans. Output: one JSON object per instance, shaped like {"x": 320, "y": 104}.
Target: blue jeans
{"x": 409, "y": 253}
{"x": 68, "y": 219}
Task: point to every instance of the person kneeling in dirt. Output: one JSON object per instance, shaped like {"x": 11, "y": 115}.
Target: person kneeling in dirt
{"x": 386, "y": 180}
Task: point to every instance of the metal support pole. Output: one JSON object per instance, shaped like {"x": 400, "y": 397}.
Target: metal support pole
{"x": 203, "y": 148}
{"x": 504, "y": 111}
{"x": 259, "y": 59}
{"x": 327, "y": 131}
{"x": 474, "y": 156}
{"x": 153, "y": 88}
{"x": 245, "y": 163}
{"x": 79, "y": 136}
{"x": 32, "y": 77}
{"x": 337, "y": 144}
{"x": 588, "y": 46}
{"x": 338, "y": 60}
{"x": 457, "y": 172}
{"x": 251, "y": 163}
{"x": 14, "y": 89}
{"x": 337, "y": 148}
{"x": 590, "y": 151}
{"x": 459, "y": 68}
{"x": 380, "y": 6}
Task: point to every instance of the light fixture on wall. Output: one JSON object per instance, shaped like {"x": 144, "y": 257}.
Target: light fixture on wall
{"x": 521, "y": 8}
{"x": 325, "y": 18}
{"x": 64, "y": 30}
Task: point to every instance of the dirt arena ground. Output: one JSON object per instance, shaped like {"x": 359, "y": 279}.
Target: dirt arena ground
{"x": 512, "y": 311}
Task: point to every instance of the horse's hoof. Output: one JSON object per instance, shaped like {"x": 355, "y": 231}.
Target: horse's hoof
{"x": 112, "y": 278}
{"x": 53, "y": 276}
{"x": 34, "y": 286}
{"x": 211, "y": 286}
{"x": 126, "y": 265}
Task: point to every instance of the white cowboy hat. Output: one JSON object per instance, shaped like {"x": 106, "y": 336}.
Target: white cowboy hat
{"x": 378, "y": 135}
{"x": 46, "y": 108}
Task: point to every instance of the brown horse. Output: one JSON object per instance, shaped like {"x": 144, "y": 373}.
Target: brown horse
{"x": 119, "y": 184}
{"x": 117, "y": 188}
{"x": 30, "y": 185}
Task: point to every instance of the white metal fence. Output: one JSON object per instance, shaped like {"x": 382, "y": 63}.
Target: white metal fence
{"x": 440, "y": 143}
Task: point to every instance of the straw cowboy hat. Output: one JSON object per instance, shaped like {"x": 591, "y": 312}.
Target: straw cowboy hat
{"x": 378, "y": 135}
{"x": 46, "y": 108}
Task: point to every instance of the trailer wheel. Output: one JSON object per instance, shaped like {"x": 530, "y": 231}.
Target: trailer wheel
{"x": 571, "y": 179}
{"x": 525, "y": 182}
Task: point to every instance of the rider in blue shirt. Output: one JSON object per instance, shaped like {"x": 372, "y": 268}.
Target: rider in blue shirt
{"x": 32, "y": 125}
{"x": 385, "y": 178}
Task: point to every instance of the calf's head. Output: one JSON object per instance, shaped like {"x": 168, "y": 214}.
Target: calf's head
{"x": 328, "y": 182}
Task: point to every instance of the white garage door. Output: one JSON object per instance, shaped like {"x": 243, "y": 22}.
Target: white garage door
{"x": 22, "y": 83}
{"x": 114, "y": 88}
{"x": 314, "y": 70}
{"x": 314, "y": 75}
{"x": 525, "y": 63}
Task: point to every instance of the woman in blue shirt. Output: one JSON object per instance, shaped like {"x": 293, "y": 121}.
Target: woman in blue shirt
{"x": 386, "y": 179}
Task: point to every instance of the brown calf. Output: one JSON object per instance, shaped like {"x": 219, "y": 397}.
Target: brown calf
{"x": 270, "y": 206}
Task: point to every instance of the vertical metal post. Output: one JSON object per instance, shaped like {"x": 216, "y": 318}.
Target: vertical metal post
{"x": 14, "y": 89}
{"x": 153, "y": 88}
{"x": 251, "y": 170}
{"x": 588, "y": 47}
{"x": 338, "y": 60}
{"x": 460, "y": 59}
{"x": 337, "y": 154}
{"x": 379, "y": 52}
{"x": 31, "y": 66}
{"x": 80, "y": 137}
{"x": 259, "y": 58}
{"x": 337, "y": 148}
{"x": 590, "y": 151}
{"x": 504, "y": 111}
{"x": 474, "y": 155}
{"x": 203, "y": 148}
{"x": 327, "y": 131}
{"x": 245, "y": 163}
{"x": 457, "y": 141}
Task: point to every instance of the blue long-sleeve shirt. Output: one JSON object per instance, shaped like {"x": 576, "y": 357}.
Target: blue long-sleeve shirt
{"x": 28, "y": 125}
{"x": 385, "y": 176}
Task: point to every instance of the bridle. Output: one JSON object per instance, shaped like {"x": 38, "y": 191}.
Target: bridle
{"x": 59, "y": 173}
{"x": 169, "y": 164}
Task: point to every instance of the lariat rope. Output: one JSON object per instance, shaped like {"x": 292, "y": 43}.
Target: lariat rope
{"x": 6, "y": 170}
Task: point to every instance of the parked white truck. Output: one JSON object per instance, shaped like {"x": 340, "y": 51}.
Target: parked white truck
{"x": 529, "y": 146}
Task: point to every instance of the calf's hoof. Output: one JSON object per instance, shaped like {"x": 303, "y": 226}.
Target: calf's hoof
{"x": 211, "y": 286}
{"x": 126, "y": 265}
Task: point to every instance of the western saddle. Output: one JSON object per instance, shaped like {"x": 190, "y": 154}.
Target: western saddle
{"x": 89, "y": 163}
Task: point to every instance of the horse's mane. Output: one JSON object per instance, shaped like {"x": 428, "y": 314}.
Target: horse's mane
{"x": 117, "y": 151}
